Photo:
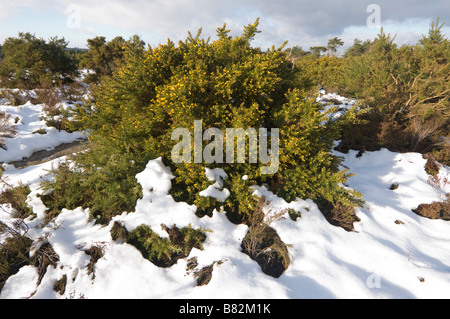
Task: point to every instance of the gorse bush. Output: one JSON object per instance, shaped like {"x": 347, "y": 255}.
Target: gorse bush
{"x": 225, "y": 83}
{"x": 108, "y": 187}
{"x": 321, "y": 72}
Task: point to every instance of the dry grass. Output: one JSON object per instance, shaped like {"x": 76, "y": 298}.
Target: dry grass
{"x": 7, "y": 130}
{"x": 45, "y": 256}
{"x": 95, "y": 252}
{"x": 262, "y": 242}
{"x": 15, "y": 97}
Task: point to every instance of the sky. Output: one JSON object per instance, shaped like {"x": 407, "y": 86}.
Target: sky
{"x": 301, "y": 23}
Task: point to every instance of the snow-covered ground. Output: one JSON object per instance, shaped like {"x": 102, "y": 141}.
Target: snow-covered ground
{"x": 380, "y": 259}
{"x": 32, "y": 133}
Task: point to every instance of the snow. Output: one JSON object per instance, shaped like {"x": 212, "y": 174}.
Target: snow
{"x": 216, "y": 190}
{"x": 27, "y": 119}
{"x": 380, "y": 259}
{"x": 16, "y": 289}
{"x": 333, "y": 100}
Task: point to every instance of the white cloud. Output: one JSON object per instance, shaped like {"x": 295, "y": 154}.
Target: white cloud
{"x": 304, "y": 23}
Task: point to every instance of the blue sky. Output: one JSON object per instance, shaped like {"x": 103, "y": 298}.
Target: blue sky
{"x": 304, "y": 23}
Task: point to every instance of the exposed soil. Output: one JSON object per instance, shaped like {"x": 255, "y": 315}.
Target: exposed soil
{"x": 47, "y": 155}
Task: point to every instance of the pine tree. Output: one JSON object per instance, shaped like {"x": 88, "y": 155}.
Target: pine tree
{"x": 333, "y": 45}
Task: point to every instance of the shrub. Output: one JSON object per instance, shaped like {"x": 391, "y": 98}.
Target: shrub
{"x": 358, "y": 48}
{"x": 105, "y": 57}
{"x": 30, "y": 62}
{"x": 429, "y": 98}
{"x": 107, "y": 190}
{"x": 320, "y": 72}
{"x": 62, "y": 191}
{"x": 165, "y": 252}
{"x": 14, "y": 254}
{"x": 226, "y": 83}
{"x": 406, "y": 89}
{"x": 17, "y": 198}
{"x": 307, "y": 168}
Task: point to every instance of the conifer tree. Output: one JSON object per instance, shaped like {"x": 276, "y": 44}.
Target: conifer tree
{"x": 333, "y": 45}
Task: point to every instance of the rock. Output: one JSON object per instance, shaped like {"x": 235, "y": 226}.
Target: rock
{"x": 394, "y": 186}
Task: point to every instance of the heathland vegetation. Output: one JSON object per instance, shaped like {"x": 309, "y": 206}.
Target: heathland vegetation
{"x": 139, "y": 95}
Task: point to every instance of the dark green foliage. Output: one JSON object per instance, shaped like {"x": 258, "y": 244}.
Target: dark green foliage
{"x": 108, "y": 187}
{"x": 31, "y": 62}
{"x": 17, "y": 197}
{"x": 165, "y": 252}
{"x": 358, "y": 48}
{"x": 105, "y": 57}
{"x": 407, "y": 90}
{"x": 333, "y": 45}
{"x": 14, "y": 254}
{"x": 317, "y": 51}
{"x": 226, "y": 83}
{"x": 310, "y": 171}
{"x": 293, "y": 214}
{"x": 316, "y": 72}
{"x": 63, "y": 191}
{"x": 76, "y": 54}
